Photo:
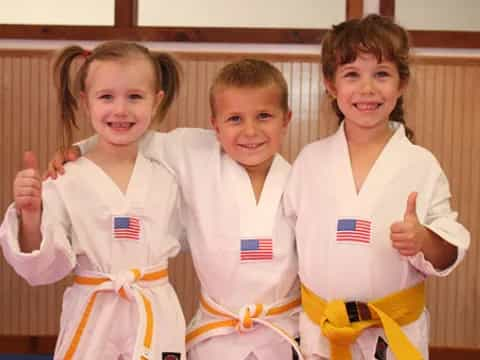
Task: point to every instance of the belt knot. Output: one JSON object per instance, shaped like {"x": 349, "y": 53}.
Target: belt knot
{"x": 246, "y": 315}
{"x": 123, "y": 282}
{"x": 337, "y": 323}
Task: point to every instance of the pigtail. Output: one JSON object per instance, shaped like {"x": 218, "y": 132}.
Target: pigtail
{"x": 169, "y": 80}
{"x": 398, "y": 115}
{"x": 67, "y": 101}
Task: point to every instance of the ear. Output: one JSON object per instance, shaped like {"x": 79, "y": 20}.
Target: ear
{"x": 287, "y": 118}
{"x": 402, "y": 87}
{"x": 158, "y": 100}
{"x": 214, "y": 122}
{"x": 330, "y": 87}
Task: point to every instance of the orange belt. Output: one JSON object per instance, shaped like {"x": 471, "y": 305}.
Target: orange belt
{"x": 126, "y": 285}
{"x": 249, "y": 315}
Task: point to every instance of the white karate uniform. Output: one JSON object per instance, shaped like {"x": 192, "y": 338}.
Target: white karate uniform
{"x": 78, "y": 234}
{"x": 220, "y": 210}
{"x": 321, "y": 190}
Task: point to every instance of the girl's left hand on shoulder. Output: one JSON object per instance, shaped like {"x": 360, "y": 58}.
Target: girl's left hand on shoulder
{"x": 408, "y": 236}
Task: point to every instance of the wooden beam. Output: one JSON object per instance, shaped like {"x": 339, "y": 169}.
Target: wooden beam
{"x": 126, "y": 14}
{"x": 446, "y": 39}
{"x": 222, "y": 35}
{"x": 387, "y": 8}
{"x": 13, "y": 344}
{"x": 354, "y": 9}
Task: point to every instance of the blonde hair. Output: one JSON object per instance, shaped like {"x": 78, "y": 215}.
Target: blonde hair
{"x": 166, "y": 70}
{"x": 249, "y": 73}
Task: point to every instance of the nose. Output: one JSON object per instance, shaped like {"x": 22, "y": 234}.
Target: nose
{"x": 367, "y": 86}
{"x": 250, "y": 127}
{"x": 120, "y": 107}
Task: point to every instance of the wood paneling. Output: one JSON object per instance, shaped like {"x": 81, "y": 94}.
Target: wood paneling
{"x": 441, "y": 107}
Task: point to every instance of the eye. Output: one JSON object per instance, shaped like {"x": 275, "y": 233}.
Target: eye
{"x": 382, "y": 74}
{"x": 264, "y": 116}
{"x": 234, "y": 119}
{"x": 135, "y": 96}
{"x": 106, "y": 97}
{"x": 351, "y": 74}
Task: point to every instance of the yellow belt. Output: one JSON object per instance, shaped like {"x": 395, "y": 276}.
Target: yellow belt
{"x": 244, "y": 321}
{"x": 342, "y": 322}
{"x": 127, "y": 287}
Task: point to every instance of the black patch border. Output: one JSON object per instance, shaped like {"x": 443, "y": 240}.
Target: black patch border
{"x": 381, "y": 349}
{"x": 177, "y": 355}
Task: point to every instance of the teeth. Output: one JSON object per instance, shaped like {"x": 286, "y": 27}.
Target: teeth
{"x": 251, "y": 146}
{"x": 120, "y": 125}
{"x": 366, "y": 106}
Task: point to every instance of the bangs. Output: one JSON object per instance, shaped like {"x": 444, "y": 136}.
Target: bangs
{"x": 362, "y": 40}
{"x": 374, "y": 35}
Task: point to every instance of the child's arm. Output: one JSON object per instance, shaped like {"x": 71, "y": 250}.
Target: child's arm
{"x": 36, "y": 243}
{"x": 55, "y": 165}
{"x": 27, "y": 190}
{"x": 410, "y": 237}
{"x": 173, "y": 149}
{"x": 437, "y": 237}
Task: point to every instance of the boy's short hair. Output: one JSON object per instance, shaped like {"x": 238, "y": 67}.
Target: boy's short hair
{"x": 249, "y": 73}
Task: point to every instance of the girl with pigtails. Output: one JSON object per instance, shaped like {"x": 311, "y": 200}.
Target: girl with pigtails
{"x": 112, "y": 219}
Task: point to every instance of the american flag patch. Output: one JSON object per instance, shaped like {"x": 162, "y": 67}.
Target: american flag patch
{"x": 126, "y": 228}
{"x": 354, "y": 230}
{"x": 256, "y": 249}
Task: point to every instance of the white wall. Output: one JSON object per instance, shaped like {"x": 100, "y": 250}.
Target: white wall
{"x": 307, "y": 14}
{"x": 457, "y": 15}
{"x": 57, "y": 12}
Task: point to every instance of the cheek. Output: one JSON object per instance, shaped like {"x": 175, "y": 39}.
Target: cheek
{"x": 96, "y": 110}
{"x": 276, "y": 136}
{"x": 224, "y": 138}
{"x": 394, "y": 95}
{"x": 343, "y": 95}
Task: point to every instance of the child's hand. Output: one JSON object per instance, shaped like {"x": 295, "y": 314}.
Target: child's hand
{"x": 27, "y": 187}
{"x": 408, "y": 236}
{"x": 55, "y": 166}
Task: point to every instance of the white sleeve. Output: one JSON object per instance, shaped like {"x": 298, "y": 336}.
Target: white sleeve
{"x": 177, "y": 225}
{"x": 86, "y": 145}
{"x": 178, "y": 149}
{"x": 292, "y": 192}
{"x": 442, "y": 220}
{"x": 55, "y": 259}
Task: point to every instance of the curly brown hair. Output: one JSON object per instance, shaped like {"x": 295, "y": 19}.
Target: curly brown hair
{"x": 373, "y": 34}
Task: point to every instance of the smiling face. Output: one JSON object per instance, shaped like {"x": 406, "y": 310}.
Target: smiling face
{"x": 250, "y": 124}
{"x": 366, "y": 91}
{"x": 120, "y": 99}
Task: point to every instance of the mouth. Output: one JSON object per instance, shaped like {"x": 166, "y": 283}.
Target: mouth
{"x": 120, "y": 125}
{"x": 367, "y": 106}
{"x": 251, "y": 146}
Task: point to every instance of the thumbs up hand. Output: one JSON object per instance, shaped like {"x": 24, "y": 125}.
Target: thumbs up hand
{"x": 27, "y": 187}
{"x": 408, "y": 236}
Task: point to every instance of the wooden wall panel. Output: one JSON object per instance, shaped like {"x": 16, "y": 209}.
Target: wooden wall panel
{"x": 441, "y": 107}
